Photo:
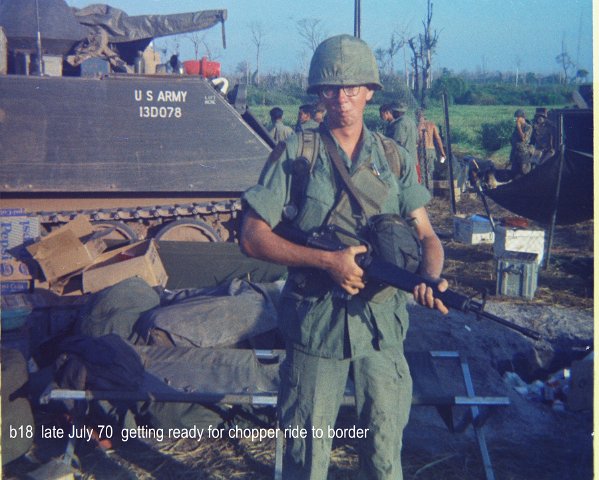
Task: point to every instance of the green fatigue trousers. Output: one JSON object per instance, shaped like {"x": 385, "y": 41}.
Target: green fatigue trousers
{"x": 310, "y": 395}
{"x": 427, "y": 166}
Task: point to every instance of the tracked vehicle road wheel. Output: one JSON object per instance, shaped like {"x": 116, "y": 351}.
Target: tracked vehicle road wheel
{"x": 121, "y": 234}
{"x": 188, "y": 231}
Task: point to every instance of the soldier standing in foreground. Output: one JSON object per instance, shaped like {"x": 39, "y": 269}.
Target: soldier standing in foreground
{"x": 327, "y": 333}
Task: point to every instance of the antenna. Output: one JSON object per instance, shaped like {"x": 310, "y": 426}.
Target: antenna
{"x": 357, "y": 19}
{"x": 40, "y": 62}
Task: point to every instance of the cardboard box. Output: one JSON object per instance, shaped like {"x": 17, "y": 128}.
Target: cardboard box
{"x": 472, "y": 230}
{"x": 63, "y": 251}
{"x": 140, "y": 259}
{"x": 15, "y": 270}
{"x": 16, "y": 232}
{"x": 19, "y": 286}
{"x": 519, "y": 240}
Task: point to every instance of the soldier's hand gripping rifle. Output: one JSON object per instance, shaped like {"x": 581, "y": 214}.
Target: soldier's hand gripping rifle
{"x": 379, "y": 270}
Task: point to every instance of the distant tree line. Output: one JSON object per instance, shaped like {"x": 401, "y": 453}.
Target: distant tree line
{"x": 287, "y": 88}
{"x": 500, "y": 89}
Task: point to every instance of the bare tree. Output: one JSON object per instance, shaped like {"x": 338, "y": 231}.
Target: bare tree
{"x": 415, "y": 66}
{"x": 396, "y": 42}
{"x": 311, "y": 31}
{"x": 198, "y": 41}
{"x": 399, "y": 40}
{"x": 566, "y": 62}
{"x": 257, "y": 34}
{"x": 423, "y": 47}
{"x": 381, "y": 56}
{"x": 428, "y": 42}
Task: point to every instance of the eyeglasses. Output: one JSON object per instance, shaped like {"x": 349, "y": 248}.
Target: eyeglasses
{"x": 332, "y": 92}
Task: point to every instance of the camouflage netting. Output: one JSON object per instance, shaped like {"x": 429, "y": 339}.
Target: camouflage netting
{"x": 123, "y": 28}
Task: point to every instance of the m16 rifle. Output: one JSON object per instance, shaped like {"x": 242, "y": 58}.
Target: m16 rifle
{"x": 379, "y": 270}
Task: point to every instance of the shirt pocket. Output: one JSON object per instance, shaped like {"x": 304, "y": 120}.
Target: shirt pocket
{"x": 318, "y": 201}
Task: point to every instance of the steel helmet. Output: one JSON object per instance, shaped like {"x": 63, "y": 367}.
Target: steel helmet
{"x": 343, "y": 60}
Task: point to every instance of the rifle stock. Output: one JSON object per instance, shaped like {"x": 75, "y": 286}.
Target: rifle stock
{"x": 385, "y": 272}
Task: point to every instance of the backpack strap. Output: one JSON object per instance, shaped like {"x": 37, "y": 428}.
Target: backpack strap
{"x": 392, "y": 154}
{"x": 308, "y": 145}
{"x": 307, "y": 151}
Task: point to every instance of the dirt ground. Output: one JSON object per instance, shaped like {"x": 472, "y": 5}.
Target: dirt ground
{"x": 529, "y": 439}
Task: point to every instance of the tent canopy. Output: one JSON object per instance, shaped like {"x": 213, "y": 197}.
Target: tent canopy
{"x": 533, "y": 195}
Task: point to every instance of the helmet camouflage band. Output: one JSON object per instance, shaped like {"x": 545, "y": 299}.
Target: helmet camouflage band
{"x": 343, "y": 60}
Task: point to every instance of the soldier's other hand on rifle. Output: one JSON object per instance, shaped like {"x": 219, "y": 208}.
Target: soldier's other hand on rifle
{"x": 425, "y": 296}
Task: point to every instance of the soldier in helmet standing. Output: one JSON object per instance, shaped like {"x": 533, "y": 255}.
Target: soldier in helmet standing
{"x": 401, "y": 127}
{"x": 543, "y": 136}
{"x": 522, "y": 150}
{"x": 329, "y": 334}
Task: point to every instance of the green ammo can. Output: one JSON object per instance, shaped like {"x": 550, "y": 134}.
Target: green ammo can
{"x": 517, "y": 274}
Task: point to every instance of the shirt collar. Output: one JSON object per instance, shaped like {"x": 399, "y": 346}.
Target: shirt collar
{"x": 364, "y": 146}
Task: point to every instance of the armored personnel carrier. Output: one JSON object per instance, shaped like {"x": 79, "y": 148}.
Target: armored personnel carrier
{"x": 144, "y": 154}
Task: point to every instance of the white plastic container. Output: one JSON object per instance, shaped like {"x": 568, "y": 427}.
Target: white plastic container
{"x": 472, "y": 230}
{"x": 519, "y": 240}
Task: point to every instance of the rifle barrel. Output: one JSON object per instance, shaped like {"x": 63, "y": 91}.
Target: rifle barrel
{"x": 523, "y": 330}
{"x": 404, "y": 280}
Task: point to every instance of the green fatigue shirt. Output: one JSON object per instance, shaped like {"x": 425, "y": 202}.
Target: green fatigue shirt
{"x": 279, "y": 131}
{"x": 403, "y": 131}
{"x": 543, "y": 136}
{"x": 521, "y": 147}
{"x": 301, "y": 127}
{"x": 321, "y": 323}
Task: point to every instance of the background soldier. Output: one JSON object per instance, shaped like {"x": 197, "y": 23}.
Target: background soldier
{"x": 520, "y": 155}
{"x": 401, "y": 127}
{"x": 305, "y": 118}
{"x": 279, "y": 131}
{"x": 328, "y": 333}
{"x": 543, "y": 136}
{"x": 319, "y": 112}
{"x": 432, "y": 147}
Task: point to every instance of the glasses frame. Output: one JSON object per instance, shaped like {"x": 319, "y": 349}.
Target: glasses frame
{"x": 349, "y": 90}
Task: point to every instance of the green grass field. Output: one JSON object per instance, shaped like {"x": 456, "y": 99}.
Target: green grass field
{"x": 464, "y": 121}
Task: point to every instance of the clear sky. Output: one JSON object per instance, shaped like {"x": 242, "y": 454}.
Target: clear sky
{"x": 495, "y": 35}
